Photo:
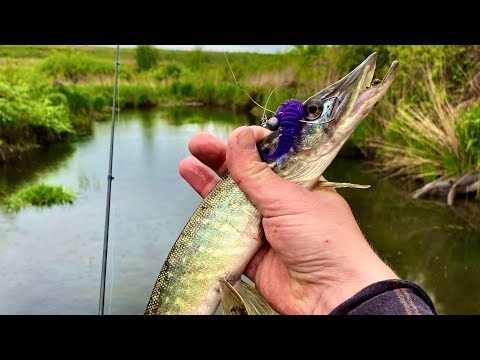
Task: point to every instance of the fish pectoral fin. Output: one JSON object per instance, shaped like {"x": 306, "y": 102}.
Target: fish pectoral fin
{"x": 232, "y": 303}
{"x": 334, "y": 185}
{"x": 243, "y": 299}
{"x": 254, "y": 302}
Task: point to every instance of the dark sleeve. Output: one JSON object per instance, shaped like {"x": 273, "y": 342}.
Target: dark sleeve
{"x": 389, "y": 297}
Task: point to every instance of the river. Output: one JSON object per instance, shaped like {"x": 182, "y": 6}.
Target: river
{"x": 50, "y": 258}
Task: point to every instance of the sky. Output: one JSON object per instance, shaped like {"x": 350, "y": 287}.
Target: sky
{"x": 266, "y": 49}
{"x": 269, "y": 49}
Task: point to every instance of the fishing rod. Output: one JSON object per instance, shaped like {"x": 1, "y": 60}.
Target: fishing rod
{"x": 109, "y": 193}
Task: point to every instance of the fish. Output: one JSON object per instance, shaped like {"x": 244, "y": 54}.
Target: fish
{"x": 205, "y": 265}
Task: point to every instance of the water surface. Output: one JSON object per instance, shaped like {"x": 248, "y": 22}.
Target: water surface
{"x": 50, "y": 258}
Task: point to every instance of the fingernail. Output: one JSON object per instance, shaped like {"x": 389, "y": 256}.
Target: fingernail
{"x": 246, "y": 140}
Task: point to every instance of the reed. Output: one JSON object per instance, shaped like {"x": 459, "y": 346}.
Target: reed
{"x": 428, "y": 140}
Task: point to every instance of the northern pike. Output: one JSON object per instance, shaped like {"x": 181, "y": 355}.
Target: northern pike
{"x": 205, "y": 265}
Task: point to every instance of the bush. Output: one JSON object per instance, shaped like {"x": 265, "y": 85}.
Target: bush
{"x": 146, "y": 57}
{"x": 138, "y": 95}
{"x": 32, "y": 112}
{"x": 79, "y": 100}
{"x": 181, "y": 89}
{"x": 166, "y": 72}
{"x": 74, "y": 65}
{"x": 172, "y": 71}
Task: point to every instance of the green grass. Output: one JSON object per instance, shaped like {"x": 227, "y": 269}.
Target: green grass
{"x": 75, "y": 66}
{"x": 468, "y": 131}
{"x": 39, "y": 195}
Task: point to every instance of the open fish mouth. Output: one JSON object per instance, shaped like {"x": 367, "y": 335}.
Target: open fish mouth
{"x": 329, "y": 118}
{"x": 376, "y": 88}
{"x": 355, "y": 92}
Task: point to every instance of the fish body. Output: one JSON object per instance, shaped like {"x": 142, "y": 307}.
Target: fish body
{"x": 216, "y": 244}
{"x": 225, "y": 231}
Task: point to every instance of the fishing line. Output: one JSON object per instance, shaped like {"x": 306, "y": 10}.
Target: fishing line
{"x": 241, "y": 88}
{"x": 101, "y": 302}
{"x": 264, "y": 117}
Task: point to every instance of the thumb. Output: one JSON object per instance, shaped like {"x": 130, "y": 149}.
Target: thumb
{"x": 269, "y": 193}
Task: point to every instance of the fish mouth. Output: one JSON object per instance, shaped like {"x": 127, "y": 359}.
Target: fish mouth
{"x": 330, "y": 116}
{"x": 376, "y": 89}
{"x": 355, "y": 92}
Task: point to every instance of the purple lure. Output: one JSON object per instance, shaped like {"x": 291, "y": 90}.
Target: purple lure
{"x": 289, "y": 115}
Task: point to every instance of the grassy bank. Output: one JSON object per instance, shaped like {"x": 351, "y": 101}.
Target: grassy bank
{"x": 39, "y": 195}
{"x": 426, "y": 126}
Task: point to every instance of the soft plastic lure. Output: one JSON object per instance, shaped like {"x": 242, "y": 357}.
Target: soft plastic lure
{"x": 287, "y": 119}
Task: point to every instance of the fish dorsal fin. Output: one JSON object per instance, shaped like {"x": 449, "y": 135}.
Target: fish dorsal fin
{"x": 243, "y": 299}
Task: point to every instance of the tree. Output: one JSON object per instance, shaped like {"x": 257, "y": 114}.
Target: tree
{"x": 146, "y": 57}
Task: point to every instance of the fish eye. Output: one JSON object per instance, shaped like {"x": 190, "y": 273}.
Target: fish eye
{"x": 313, "y": 110}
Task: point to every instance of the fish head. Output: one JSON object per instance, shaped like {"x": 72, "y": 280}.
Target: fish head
{"x": 330, "y": 117}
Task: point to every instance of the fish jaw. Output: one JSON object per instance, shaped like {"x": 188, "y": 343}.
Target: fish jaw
{"x": 341, "y": 107}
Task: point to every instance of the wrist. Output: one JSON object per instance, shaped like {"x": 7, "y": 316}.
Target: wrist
{"x": 348, "y": 280}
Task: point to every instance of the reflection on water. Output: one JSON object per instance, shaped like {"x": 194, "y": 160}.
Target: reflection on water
{"x": 50, "y": 259}
{"x": 31, "y": 166}
{"x": 424, "y": 242}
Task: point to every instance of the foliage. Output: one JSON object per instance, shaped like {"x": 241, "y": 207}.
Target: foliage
{"x": 31, "y": 110}
{"x": 469, "y": 135}
{"x": 146, "y": 57}
{"x": 75, "y": 66}
{"x": 429, "y": 140}
{"x": 40, "y": 195}
{"x": 168, "y": 71}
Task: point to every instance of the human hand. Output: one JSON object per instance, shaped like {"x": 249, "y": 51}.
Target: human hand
{"x": 316, "y": 256}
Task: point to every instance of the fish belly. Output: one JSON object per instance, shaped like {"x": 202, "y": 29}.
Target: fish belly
{"x": 216, "y": 244}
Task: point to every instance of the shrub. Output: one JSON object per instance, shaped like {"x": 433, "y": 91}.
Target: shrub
{"x": 74, "y": 65}
{"x": 30, "y": 112}
{"x": 146, "y": 57}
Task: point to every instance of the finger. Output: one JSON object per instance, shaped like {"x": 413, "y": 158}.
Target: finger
{"x": 259, "y": 132}
{"x": 212, "y": 151}
{"x": 270, "y": 194}
{"x": 197, "y": 175}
